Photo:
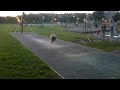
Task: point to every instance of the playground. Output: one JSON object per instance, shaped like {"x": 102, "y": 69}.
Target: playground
{"x": 80, "y": 51}
{"x": 77, "y": 61}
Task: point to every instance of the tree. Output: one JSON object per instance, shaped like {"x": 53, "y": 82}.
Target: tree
{"x": 116, "y": 17}
{"x": 98, "y": 15}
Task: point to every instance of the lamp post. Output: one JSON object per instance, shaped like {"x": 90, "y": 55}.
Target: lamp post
{"x": 52, "y": 21}
{"x": 73, "y": 18}
{"x": 59, "y": 19}
{"x": 85, "y": 21}
{"x": 55, "y": 20}
{"x": 77, "y": 18}
{"x": 43, "y": 19}
{"x": 77, "y": 21}
{"x": 102, "y": 21}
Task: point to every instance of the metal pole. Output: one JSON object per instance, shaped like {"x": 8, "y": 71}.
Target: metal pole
{"x": 85, "y": 26}
{"x": 86, "y": 22}
{"x": 52, "y": 17}
{"x": 22, "y": 23}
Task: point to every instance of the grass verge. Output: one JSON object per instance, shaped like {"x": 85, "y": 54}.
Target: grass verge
{"x": 17, "y": 62}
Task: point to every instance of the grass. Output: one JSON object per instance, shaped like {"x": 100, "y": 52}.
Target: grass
{"x": 104, "y": 45}
{"x": 17, "y": 62}
{"x": 60, "y": 32}
{"x": 75, "y": 38}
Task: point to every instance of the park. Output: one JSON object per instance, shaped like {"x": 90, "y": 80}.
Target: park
{"x": 81, "y": 50}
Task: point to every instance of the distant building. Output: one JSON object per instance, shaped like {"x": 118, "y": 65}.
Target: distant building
{"x": 110, "y": 14}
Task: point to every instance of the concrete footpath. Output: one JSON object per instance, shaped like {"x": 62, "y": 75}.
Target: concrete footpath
{"x": 72, "y": 61}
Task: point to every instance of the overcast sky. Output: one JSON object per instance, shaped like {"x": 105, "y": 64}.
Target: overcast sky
{"x": 15, "y": 13}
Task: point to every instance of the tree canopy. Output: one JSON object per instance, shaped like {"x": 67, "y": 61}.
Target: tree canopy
{"x": 76, "y": 17}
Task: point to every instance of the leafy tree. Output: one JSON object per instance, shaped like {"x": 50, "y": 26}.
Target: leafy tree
{"x": 98, "y": 15}
{"x": 116, "y": 17}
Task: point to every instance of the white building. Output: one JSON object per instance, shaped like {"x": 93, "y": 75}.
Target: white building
{"x": 110, "y": 14}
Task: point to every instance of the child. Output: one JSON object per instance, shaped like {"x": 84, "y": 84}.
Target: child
{"x": 53, "y": 37}
{"x": 103, "y": 30}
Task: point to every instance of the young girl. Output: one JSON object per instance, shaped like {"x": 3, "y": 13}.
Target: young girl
{"x": 53, "y": 37}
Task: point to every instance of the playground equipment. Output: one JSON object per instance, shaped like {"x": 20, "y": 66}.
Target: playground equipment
{"x": 21, "y": 23}
{"x": 112, "y": 24}
{"x": 87, "y": 26}
{"x": 118, "y": 26}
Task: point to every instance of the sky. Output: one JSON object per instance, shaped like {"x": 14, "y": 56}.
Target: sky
{"x": 16, "y": 13}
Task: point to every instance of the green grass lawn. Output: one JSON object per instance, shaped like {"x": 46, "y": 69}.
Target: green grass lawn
{"x": 75, "y": 37}
{"x": 104, "y": 45}
{"x": 17, "y": 62}
{"x": 60, "y": 32}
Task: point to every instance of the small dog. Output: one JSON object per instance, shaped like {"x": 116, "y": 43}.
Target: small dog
{"x": 53, "y": 38}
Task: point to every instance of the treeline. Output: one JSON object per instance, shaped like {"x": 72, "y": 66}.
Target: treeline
{"x": 39, "y": 18}
{"x": 76, "y": 17}
{"x": 8, "y": 20}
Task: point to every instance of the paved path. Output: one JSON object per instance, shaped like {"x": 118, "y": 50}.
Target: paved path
{"x": 70, "y": 60}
